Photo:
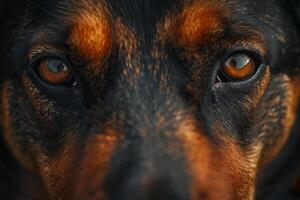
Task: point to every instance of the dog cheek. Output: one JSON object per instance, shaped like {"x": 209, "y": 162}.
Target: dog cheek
{"x": 58, "y": 171}
{"x": 276, "y": 115}
{"x": 220, "y": 170}
{"x": 95, "y": 165}
{"x": 52, "y": 120}
{"x": 9, "y": 110}
{"x": 44, "y": 109}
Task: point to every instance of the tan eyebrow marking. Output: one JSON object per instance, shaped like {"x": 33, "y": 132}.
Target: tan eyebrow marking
{"x": 199, "y": 24}
{"x": 91, "y": 36}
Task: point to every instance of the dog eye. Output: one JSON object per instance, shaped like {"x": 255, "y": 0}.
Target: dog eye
{"x": 54, "y": 71}
{"x": 238, "y": 67}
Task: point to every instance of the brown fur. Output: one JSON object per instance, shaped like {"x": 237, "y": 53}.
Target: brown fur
{"x": 199, "y": 24}
{"x": 211, "y": 166}
{"x": 95, "y": 165}
{"x": 9, "y": 136}
{"x": 176, "y": 65}
{"x": 91, "y": 37}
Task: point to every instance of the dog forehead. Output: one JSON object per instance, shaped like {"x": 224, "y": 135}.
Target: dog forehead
{"x": 193, "y": 23}
{"x": 91, "y": 35}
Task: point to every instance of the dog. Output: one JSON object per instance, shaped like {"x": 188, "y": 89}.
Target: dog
{"x": 142, "y": 100}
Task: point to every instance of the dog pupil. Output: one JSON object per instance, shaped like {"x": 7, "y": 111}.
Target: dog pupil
{"x": 239, "y": 61}
{"x": 56, "y": 66}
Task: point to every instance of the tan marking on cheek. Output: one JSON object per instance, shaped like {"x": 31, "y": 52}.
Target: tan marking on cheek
{"x": 91, "y": 37}
{"x": 57, "y": 171}
{"x": 8, "y": 132}
{"x": 95, "y": 165}
{"x": 217, "y": 171}
{"x": 291, "y": 104}
{"x": 199, "y": 24}
{"x": 260, "y": 90}
{"x": 293, "y": 101}
{"x": 252, "y": 100}
{"x": 43, "y": 107}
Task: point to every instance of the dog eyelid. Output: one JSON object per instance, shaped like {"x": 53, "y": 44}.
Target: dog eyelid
{"x": 239, "y": 66}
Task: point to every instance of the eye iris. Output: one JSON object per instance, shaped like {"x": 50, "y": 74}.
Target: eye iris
{"x": 54, "y": 71}
{"x": 239, "y": 67}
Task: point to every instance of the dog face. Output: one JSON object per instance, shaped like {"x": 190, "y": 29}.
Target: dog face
{"x": 149, "y": 99}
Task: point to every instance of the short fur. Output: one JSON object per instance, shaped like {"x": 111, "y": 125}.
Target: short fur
{"x": 147, "y": 118}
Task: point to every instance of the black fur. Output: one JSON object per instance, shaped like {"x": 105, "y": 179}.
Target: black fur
{"x": 136, "y": 111}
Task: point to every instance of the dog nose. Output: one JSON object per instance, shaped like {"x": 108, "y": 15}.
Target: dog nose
{"x": 164, "y": 189}
{"x": 159, "y": 189}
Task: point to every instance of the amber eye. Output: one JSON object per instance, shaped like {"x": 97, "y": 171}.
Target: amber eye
{"x": 54, "y": 71}
{"x": 239, "y": 67}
